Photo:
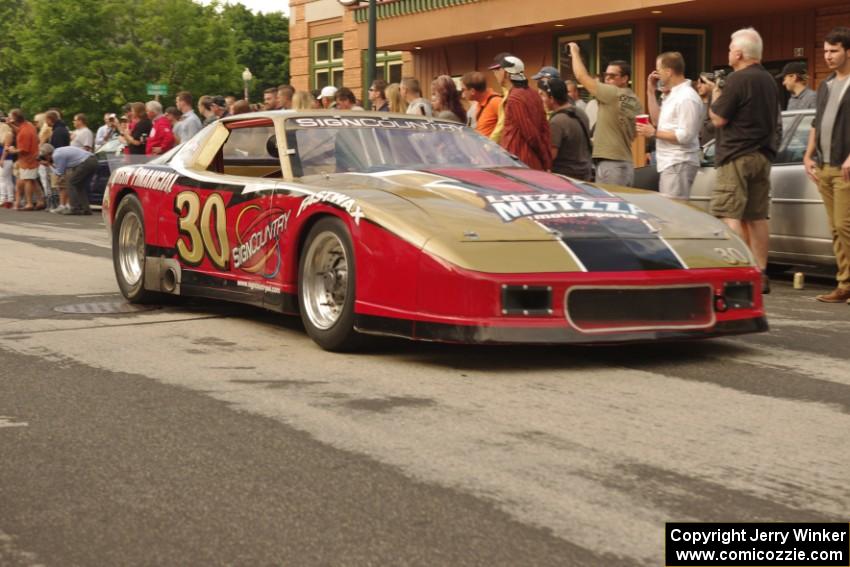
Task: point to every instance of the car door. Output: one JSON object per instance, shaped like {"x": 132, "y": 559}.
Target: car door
{"x": 227, "y": 234}
{"x": 799, "y": 230}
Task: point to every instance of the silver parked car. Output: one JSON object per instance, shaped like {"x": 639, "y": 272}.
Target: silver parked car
{"x": 799, "y": 229}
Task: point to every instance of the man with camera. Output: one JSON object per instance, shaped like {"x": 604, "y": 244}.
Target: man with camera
{"x": 614, "y": 131}
{"x": 108, "y": 131}
{"x": 75, "y": 167}
{"x": 746, "y": 115}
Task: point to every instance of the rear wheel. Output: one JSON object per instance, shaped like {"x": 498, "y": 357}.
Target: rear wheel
{"x": 128, "y": 250}
{"x": 326, "y": 286}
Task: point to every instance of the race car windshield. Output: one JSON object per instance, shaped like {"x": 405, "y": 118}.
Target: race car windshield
{"x": 339, "y": 145}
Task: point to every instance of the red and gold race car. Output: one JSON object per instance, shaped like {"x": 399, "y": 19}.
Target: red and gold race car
{"x": 374, "y": 223}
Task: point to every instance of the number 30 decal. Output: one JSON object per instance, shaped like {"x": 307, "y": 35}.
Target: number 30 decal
{"x": 200, "y": 236}
{"x": 732, "y": 255}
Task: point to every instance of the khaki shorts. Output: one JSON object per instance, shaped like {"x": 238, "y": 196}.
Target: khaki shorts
{"x": 742, "y": 189}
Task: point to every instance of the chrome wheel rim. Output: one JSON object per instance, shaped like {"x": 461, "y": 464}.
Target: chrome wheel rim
{"x": 131, "y": 248}
{"x": 325, "y": 280}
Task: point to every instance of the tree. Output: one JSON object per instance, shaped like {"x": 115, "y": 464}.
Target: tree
{"x": 93, "y": 56}
{"x": 14, "y": 15}
{"x": 262, "y": 45}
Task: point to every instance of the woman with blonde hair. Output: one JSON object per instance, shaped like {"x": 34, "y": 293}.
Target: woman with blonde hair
{"x": 302, "y": 100}
{"x": 395, "y": 99}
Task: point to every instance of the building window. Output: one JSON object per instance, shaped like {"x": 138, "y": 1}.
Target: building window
{"x": 565, "y": 60}
{"x": 613, "y": 46}
{"x": 690, "y": 42}
{"x": 387, "y": 66}
{"x": 597, "y": 50}
{"x": 326, "y": 62}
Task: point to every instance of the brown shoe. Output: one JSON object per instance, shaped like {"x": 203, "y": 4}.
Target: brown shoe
{"x": 838, "y": 295}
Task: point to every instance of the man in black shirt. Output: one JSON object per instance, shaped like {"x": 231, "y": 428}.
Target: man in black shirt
{"x": 60, "y": 136}
{"x": 746, "y": 115}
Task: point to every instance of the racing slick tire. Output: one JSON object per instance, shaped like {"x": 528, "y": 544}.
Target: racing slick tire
{"x": 326, "y": 275}
{"x": 128, "y": 251}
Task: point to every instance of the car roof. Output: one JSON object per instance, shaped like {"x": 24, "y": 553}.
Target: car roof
{"x": 272, "y": 114}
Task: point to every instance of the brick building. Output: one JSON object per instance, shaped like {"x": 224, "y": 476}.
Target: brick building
{"x": 426, "y": 38}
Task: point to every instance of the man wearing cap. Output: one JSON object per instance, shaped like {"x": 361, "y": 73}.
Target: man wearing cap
{"x": 76, "y": 167}
{"x": 571, "y": 147}
{"x": 795, "y": 77}
{"x": 107, "y": 131}
{"x": 543, "y": 77}
{"x": 614, "y": 131}
{"x": 546, "y": 73}
{"x": 487, "y": 102}
{"x": 526, "y": 130}
{"x": 328, "y": 96}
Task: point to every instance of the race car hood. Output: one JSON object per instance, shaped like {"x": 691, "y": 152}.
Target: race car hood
{"x": 518, "y": 204}
{"x": 522, "y": 220}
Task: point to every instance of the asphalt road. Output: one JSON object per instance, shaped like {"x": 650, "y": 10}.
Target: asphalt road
{"x": 202, "y": 434}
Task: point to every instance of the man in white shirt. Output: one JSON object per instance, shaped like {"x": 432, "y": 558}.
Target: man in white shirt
{"x": 678, "y": 124}
{"x": 108, "y": 131}
{"x": 82, "y": 137}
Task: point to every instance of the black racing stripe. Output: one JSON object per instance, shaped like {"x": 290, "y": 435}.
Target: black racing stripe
{"x": 623, "y": 254}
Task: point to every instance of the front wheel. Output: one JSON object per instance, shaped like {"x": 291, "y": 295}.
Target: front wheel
{"x": 326, "y": 286}
{"x": 128, "y": 250}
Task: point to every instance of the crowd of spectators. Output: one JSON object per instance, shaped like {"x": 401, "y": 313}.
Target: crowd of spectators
{"x": 43, "y": 164}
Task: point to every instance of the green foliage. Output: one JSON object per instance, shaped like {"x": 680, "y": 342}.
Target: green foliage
{"x": 13, "y": 16}
{"x": 262, "y": 45}
{"x": 93, "y": 56}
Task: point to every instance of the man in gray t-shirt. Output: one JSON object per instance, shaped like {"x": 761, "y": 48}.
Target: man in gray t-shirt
{"x": 795, "y": 79}
{"x": 827, "y": 158}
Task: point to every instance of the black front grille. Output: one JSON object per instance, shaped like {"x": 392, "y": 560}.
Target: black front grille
{"x": 601, "y": 309}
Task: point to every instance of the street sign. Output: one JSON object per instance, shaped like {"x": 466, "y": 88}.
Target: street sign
{"x": 157, "y": 89}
